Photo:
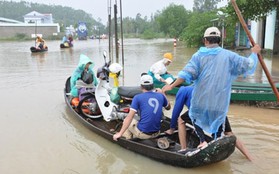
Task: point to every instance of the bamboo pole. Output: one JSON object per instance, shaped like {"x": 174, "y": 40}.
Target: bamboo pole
{"x": 244, "y": 25}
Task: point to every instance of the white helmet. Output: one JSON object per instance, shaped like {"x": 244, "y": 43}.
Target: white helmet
{"x": 115, "y": 67}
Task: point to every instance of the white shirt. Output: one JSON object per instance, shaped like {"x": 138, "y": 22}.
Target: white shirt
{"x": 158, "y": 69}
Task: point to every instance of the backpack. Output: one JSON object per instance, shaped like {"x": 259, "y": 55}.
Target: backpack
{"x": 87, "y": 77}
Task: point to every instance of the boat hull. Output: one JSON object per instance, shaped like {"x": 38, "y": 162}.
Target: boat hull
{"x": 66, "y": 46}
{"x": 36, "y": 50}
{"x": 244, "y": 92}
{"x": 216, "y": 151}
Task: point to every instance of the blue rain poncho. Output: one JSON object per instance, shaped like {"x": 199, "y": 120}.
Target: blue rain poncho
{"x": 64, "y": 39}
{"x": 213, "y": 70}
{"x": 83, "y": 60}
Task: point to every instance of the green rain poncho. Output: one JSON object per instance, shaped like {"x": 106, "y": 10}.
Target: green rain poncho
{"x": 83, "y": 60}
{"x": 213, "y": 70}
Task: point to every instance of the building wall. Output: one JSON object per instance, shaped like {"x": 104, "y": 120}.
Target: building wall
{"x": 270, "y": 30}
{"x": 264, "y": 32}
{"x": 237, "y": 33}
{"x": 258, "y": 32}
{"x": 241, "y": 39}
{"x": 11, "y": 30}
{"x": 33, "y": 19}
{"x": 36, "y": 17}
{"x": 254, "y": 31}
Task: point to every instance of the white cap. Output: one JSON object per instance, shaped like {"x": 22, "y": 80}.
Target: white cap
{"x": 146, "y": 80}
{"x": 115, "y": 68}
{"x": 212, "y": 31}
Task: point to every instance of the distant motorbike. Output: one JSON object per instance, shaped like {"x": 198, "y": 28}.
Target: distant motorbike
{"x": 108, "y": 100}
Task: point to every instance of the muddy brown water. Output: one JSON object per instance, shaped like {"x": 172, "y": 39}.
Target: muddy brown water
{"x": 40, "y": 135}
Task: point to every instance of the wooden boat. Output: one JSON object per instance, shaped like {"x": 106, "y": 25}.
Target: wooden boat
{"x": 36, "y": 50}
{"x": 242, "y": 91}
{"x": 66, "y": 45}
{"x": 216, "y": 150}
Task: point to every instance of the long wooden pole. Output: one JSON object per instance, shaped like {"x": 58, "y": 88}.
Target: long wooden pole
{"x": 244, "y": 25}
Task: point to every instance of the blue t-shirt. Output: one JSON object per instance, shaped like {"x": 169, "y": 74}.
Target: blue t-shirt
{"x": 149, "y": 105}
{"x": 183, "y": 97}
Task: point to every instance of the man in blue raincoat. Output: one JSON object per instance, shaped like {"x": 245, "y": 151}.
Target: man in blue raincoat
{"x": 64, "y": 39}
{"x": 213, "y": 70}
{"x": 83, "y": 75}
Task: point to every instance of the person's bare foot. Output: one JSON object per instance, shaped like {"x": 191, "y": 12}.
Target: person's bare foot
{"x": 202, "y": 145}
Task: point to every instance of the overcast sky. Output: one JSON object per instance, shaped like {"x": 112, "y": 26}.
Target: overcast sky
{"x": 99, "y": 8}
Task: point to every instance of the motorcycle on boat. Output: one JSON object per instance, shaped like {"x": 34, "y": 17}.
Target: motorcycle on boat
{"x": 107, "y": 99}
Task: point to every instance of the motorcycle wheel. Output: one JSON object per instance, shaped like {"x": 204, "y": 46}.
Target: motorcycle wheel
{"x": 84, "y": 108}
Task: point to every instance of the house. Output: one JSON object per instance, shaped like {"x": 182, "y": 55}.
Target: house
{"x": 34, "y": 24}
{"x": 264, "y": 32}
{"x": 36, "y": 17}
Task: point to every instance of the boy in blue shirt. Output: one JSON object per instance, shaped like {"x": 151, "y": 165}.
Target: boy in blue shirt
{"x": 149, "y": 106}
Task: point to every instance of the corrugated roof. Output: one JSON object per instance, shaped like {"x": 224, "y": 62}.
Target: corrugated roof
{"x": 6, "y": 20}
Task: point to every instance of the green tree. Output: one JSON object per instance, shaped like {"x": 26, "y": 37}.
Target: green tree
{"x": 254, "y": 9}
{"x": 140, "y": 26}
{"x": 128, "y": 25}
{"x": 205, "y": 5}
{"x": 193, "y": 33}
{"x": 140, "y": 23}
{"x": 173, "y": 20}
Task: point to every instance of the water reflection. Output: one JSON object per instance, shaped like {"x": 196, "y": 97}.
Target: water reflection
{"x": 275, "y": 68}
{"x": 102, "y": 152}
{"x": 67, "y": 53}
{"x": 39, "y": 56}
{"x": 271, "y": 62}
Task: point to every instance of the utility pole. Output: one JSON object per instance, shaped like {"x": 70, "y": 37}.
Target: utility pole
{"x": 109, "y": 26}
{"x": 122, "y": 46}
{"x": 115, "y": 33}
{"x": 222, "y": 19}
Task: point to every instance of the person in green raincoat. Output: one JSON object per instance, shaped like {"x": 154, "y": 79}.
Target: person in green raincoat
{"x": 83, "y": 76}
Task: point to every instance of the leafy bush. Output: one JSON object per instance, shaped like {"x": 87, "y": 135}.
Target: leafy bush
{"x": 148, "y": 34}
{"x": 21, "y": 36}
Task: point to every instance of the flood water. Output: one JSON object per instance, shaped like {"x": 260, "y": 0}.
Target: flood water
{"x": 39, "y": 135}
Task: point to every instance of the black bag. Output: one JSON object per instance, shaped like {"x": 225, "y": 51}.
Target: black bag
{"x": 87, "y": 77}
